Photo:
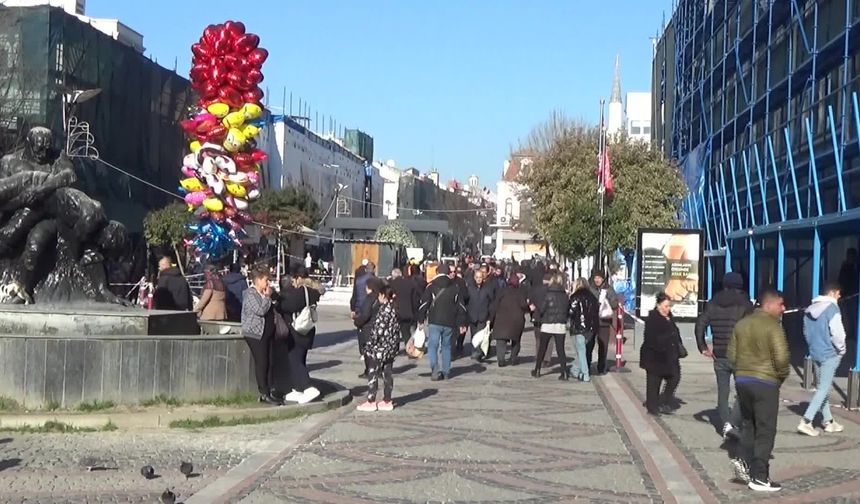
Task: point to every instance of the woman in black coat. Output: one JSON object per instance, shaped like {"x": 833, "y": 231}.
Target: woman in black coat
{"x": 552, "y": 314}
{"x": 660, "y": 356}
{"x": 508, "y": 320}
{"x": 295, "y": 295}
{"x": 365, "y": 318}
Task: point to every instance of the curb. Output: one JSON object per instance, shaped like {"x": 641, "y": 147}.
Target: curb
{"x": 162, "y": 417}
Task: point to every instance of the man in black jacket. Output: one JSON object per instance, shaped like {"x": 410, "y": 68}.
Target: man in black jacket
{"x": 406, "y": 301}
{"x": 721, "y": 314}
{"x": 463, "y": 292}
{"x": 172, "y": 292}
{"x": 444, "y": 313}
{"x": 481, "y": 296}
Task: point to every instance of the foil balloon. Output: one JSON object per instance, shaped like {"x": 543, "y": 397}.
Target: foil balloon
{"x": 221, "y": 174}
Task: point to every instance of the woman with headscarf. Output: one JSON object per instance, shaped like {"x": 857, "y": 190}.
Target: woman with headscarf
{"x": 213, "y": 299}
{"x": 508, "y": 320}
{"x": 659, "y": 356}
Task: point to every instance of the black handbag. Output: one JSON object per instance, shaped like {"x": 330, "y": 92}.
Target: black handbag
{"x": 682, "y": 350}
{"x": 282, "y": 328}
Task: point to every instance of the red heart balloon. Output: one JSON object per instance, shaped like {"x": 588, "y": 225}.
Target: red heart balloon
{"x": 189, "y": 125}
{"x": 235, "y": 78}
{"x": 259, "y": 155}
{"x": 230, "y": 96}
{"x": 245, "y": 66}
{"x": 199, "y": 72}
{"x": 200, "y": 50}
{"x": 210, "y": 33}
{"x": 255, "y": 76}
{"x": 232, "y": 61}
{"x": 209, "y": 90}
{"x": 258, "y": 56}
{"x": 223, "y": 44}
{"x": 235, "y": 28}
{"x": 245, "y": 85}
{"x": 247, "y": 43}
{"x": 253, "y": 95}
{"x": 217, "y": 75}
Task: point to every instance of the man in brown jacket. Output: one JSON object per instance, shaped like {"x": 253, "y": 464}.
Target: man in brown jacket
{"x": 759, "y": 351}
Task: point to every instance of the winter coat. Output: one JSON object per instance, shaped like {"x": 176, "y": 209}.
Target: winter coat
{"x": 584, "y": 317}
{"x": 758, "y": 348}
{"x": 292, "y": 302}
{"x": 235, "y": 283}
{"x": 172, "y": 291}
{"x": 406, "y": 299}
{"x": 441, "y": 303}
{"x": 255, "y": 307}
{"x": 508, "y": 318}
{"x": 384, "y": 341}
{"x": 611, "y": 298}
{"x": 554, "y": 308}
{"x": 823, "y": 329}
{"x": 480, "y": 302}
{"x": 212, "y": 305}
{"x": 660, "y": 351}
{"x": 364, "y": 319}
{"x": 536, "y": 296}
{"x": 359, "y": 291}
{"x": 722, "y": 313}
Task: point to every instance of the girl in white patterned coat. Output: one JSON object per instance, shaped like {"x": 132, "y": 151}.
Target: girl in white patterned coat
{"x": 379, "y": 353}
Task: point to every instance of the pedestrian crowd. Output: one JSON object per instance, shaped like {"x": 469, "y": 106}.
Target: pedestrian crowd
{"x": 484, "y": 302}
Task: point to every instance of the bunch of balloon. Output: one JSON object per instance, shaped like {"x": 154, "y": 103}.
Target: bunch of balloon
{"x": 222, "y": 172}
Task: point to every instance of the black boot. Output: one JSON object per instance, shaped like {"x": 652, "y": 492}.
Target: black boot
{"x": 565, "y": 374}
{"x": 536, "y": 372}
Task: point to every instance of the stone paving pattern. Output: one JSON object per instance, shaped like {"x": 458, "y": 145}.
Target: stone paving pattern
{"x": 488, "y": 434}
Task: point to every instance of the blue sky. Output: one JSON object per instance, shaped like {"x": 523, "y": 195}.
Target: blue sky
{"x": 449, "y": 84}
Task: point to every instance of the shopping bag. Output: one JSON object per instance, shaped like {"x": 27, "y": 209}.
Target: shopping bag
{"x": 419, "y": 337}
{"x": 479, "y": 337}
{"x": 485, "y": 345}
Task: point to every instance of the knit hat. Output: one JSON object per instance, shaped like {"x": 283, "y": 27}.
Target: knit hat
{"x": 733, "y": 280}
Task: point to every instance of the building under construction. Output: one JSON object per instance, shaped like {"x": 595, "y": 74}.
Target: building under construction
{"x": 758, "y": 102}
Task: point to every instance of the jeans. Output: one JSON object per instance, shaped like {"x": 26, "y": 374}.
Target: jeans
{"x": 379, "y": 370}
{"x": 559, "y": 348}
{"x": 725, "y": 370}
{"x": 581, "y": 360}
{"x": 653, "y": 397}
{"x": 759, "y": 407}
{"x": 602, "y": 342}
{"x": 825, "y": 371}
{"x": 439, "y": 338}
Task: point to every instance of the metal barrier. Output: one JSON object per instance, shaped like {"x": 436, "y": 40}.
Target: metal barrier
{"x": 619, "y": 337}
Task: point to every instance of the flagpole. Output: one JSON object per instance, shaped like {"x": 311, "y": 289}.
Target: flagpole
{"x": 601, "y": 145}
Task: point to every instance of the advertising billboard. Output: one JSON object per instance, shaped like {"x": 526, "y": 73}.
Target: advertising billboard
{"x": 670, "y": 261}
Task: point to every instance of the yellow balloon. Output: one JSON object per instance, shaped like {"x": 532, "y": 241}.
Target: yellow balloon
{"x": 250, "y": 131}
{"x": 194, "y": 146}
{"x": 213, "y": 204}
{"x": 251, "y": 111}
{"x": 191, "y": 184}
{"x": 237, "y": 190}
{"x": 235, "y": 140}
{"x": 234, "y": 120}
{"x": 219, "y": 110}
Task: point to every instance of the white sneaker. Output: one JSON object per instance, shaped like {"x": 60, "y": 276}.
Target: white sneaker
{"x": 764, "y": 486}
{"x": 294, "y": 396}
{"x": 309, "y": 395}
{"x": 805, "y": 427}
{"x": 832, "y": 426}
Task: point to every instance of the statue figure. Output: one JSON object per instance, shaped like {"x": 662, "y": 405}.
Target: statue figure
{"x": 53, "y": 237}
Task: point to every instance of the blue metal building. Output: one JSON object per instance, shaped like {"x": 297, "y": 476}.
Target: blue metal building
{"x": 758, "y": 102}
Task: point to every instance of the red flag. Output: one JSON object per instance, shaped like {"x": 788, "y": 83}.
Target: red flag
{"x": 604, "y": 173}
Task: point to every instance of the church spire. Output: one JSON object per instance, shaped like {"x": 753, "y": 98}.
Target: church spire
{"x": 616, "y": 81}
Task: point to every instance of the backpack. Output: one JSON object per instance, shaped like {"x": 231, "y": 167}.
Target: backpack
{"x": 307, "y": 318}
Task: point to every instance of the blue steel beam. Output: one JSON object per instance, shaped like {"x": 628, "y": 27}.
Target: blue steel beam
{"x": 812, "y": 167}
{"x": 722, "y": 220}
{"x": 796, "y": 12}
{"x": 837, "y": 158}
{"x": 761, "y": 185}
{"x": 749, "y": 188}
{"x": 856, "y": 120}
{"x": 724, "y": 199}
{"x": 728, "y": 256}
{"x": 776, "y": 178}
{"x": 752, "y": 277}
{"x": 816, "y": 263}
{"x": 790, "y": 158}
{"x": 735, "y": 192}
{"x": 780, "y": 263}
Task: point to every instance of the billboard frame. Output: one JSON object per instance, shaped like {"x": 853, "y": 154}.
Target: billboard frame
{"x": 701, "y": 266}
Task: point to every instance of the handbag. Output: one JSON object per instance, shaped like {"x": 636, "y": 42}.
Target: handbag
{"x": 479, "y": 337}
{"x": 307, "y": 318}
{"x": 682, "y": 350}
{"x": 282, "y": 329}
{"x": 419, "y": 337}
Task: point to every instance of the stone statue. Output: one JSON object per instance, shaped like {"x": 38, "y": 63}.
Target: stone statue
{"x": 53, "y": 238}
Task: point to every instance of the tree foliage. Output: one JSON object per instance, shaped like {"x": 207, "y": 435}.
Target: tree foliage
{"x": 290, "y": 208}
{"x": 168, "y": 226}
{"x": 562, "y": 185}
{"x": 396, "y": 232}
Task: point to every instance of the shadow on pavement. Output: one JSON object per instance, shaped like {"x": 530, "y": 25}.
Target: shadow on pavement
{"x": 711, "y": 416}
{"x": 9, "y": 463}
{"x": 324, "y": 365}
{"x": 404, "y": 368}
{"x": 415, "y": 396}
{"x": 474, "y": 368}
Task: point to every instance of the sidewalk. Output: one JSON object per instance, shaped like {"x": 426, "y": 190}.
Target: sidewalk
{"x": 823, "y": 469}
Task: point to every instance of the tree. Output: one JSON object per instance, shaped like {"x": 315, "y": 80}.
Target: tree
{"x": 168, "y": 227}
{"x": 562, "y": 185}
{"x": 396, "y": 232}
{"x": 290, "y": 208}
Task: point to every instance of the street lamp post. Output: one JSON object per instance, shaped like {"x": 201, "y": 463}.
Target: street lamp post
{"x": 70, "y": 99}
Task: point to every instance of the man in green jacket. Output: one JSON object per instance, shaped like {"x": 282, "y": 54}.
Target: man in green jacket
{"x": 759, "y": 351}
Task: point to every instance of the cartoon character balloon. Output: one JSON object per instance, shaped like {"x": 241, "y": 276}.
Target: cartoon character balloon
{"x": 221, "y": 174}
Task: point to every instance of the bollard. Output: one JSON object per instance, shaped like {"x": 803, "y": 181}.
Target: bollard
{"x": 808, "y": 374}
{"x": 853, "y": 402}
{"x": 619, "y": 337}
